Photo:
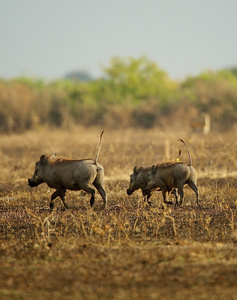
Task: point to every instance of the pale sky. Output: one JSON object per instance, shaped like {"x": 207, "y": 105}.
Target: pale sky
{"x": 49, "y": 38}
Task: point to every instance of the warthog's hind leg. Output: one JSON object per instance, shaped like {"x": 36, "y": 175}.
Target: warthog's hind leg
{"x": 195, "y": 189}
{"x": 102, "y": 192}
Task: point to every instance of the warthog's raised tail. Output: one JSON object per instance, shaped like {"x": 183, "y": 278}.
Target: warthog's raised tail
{"x": 182, "y": 141}
{"x": 98, "y": 152}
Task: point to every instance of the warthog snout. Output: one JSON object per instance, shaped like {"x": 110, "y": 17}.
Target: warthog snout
{"x": 32, "y": 183}
{"x": 129, "y": 192}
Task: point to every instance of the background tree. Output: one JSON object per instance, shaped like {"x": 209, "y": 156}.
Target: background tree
{"x": 79, "y": 76}
{"x": 138, "y": 79}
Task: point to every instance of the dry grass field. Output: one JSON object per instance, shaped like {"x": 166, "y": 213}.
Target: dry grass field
{"x": 131, "y": 250}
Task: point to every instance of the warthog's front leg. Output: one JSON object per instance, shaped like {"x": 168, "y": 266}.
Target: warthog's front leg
{"x": 53, "y": 196}
{"x": 147, "y": 195}
{"x": 58, "y": 193}
{"x": 181, "y": 194}
{"x": 174, "y": 192}
{"x": 165, "y": 193}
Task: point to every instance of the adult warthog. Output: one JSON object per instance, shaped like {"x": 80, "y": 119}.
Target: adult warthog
{"x": 173, "y": 175}
{"x": 65, "y": 174}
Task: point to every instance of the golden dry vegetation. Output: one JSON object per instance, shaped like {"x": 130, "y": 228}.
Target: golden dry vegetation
{"x": 131, "y": 250}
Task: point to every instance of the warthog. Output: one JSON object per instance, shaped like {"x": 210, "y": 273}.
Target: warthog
{"x": 138, "y": 180}
{"x": 65, "y": 174}
{"x": 173, "y": 175}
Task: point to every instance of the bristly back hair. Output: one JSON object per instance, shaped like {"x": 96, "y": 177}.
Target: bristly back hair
{"x": 166, "y": 164}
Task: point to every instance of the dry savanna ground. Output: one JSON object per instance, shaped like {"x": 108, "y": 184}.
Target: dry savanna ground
{"x": 131, "y": 250}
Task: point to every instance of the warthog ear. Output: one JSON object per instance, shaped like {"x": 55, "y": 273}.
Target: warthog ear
{"x": 135, "y": 170}
{"x": 43, "y": 159}
{"x": 153, "y": 169}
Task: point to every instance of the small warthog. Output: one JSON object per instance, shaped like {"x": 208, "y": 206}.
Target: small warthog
{"x": 65, "y": 174}
{"x": 138, "y": 180}
{"x": 173, "y": 175}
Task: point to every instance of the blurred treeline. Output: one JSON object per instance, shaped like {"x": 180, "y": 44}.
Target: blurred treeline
{"x": 132, "y": 92}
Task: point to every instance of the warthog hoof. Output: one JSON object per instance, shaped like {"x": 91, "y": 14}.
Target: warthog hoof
{"x": 169, "y": 202}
